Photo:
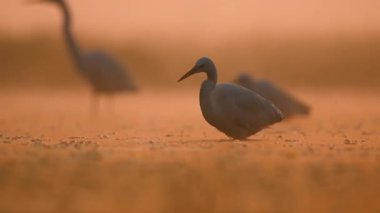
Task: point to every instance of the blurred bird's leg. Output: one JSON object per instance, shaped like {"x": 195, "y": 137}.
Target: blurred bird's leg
{"x": 111, "y": 103}
{"x": 94, "y": 103}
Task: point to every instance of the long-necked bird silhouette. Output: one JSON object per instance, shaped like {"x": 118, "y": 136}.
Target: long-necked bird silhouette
{"x": 104, "y": 74}
{"x": 232, "y": 109}
{"x": 288, "y": 104}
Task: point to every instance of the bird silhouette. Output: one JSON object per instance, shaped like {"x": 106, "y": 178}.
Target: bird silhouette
{"x": 232, "y": 109}
{"x": 104, "y": 74}
{"x": 288, "y": 104}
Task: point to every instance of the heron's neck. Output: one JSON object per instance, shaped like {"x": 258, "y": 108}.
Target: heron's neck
{"x": 71, "y": 43}
{"x": 205, "y": 99}
{"x": 212, "y": 74}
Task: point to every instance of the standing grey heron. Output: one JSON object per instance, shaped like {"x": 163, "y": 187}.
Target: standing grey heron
{"x": 287, "y": 103}
{"x": 104, "y": 74}
{"x": 232, "y": 109}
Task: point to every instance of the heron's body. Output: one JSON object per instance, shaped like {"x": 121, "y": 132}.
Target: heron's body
{"x": 288, "y": 104}
{"x": 102, "y": 72}
{"x": 233, "y": 110}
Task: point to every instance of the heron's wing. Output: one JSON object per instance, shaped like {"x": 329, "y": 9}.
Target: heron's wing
{"x": 259, "y": 112}
{"x": 246, "y": 108}
{"x": 254, "y": 105}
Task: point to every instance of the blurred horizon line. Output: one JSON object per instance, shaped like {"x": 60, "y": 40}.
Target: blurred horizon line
{"x": 53, "y": 36}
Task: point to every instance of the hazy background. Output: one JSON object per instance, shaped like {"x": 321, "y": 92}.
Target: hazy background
{"x": 295, "y": 43}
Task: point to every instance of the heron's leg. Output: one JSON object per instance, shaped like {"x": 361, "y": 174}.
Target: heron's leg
{"x": 94, "y": 103}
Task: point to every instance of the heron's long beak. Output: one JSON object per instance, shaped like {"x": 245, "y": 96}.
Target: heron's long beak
{"x": 191, "y": 72}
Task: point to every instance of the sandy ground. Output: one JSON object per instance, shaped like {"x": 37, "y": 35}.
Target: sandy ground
{"x": 153, "y": 152}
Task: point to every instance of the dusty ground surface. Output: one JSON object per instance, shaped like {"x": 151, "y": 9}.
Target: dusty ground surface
{"x": 153, "y": 152}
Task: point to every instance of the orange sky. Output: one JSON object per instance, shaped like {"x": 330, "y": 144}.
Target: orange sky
{"x": 201, "y": 19}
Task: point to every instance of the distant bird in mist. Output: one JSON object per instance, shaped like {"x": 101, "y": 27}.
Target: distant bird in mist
{"x": 102, "y": 72}
{"x": 288, "y": 104}
{"x": 236, "y": 111}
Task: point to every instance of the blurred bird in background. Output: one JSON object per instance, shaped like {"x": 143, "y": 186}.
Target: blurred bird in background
{"x": 104, "y": 74}
{"x": 288, "y": 104}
